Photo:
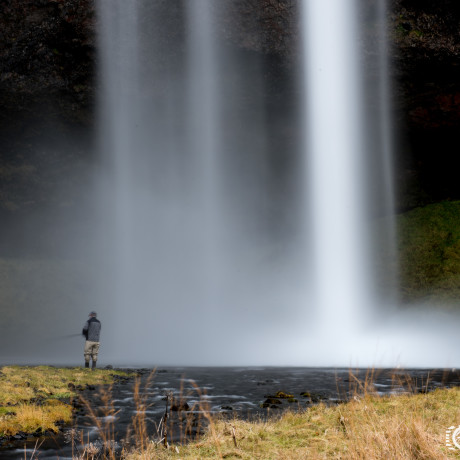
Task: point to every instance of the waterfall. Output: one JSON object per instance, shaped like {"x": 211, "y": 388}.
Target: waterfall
{"x": 222, "y": 241}
{"x": 152, "y": 188}
{"x": 186, "y": 197}
{"x": 204, "y": 139}
{"x": 335, "y": 178}
{"x": 348, "y": 172}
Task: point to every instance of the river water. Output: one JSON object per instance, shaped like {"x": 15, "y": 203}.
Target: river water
{"x": 239, "y": 391}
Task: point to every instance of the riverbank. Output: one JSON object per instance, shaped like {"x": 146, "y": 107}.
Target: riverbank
{"x": 247, "y": 413}
{"x": 38, "y": 401}
{"x": 410, "y": 426}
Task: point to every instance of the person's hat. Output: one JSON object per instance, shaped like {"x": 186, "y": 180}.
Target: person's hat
{"x": 93, "y": 313}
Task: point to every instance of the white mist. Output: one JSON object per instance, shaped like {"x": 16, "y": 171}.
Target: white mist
{"x": 194, "y": 273}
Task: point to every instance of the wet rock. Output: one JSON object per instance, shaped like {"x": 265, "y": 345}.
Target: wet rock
{"x": 226, "y": 407}
{"x": 280, "y": 395}
{"x": 121, "y": 379}
{"x": 76, "y": 403}
{"x": 270, "y": 406}
{"x": 314, "y": 397}
{"x": 143, "y": 371}
{"x": 19, "y": 436}
{"x": 177, "y": 406}
{"x": 271, "y": 401}
{"x": 90, "y": 387}
{"x": 318, "y": 397}
{"x": 425, "y": 390}
{"x": 196, "y": 422}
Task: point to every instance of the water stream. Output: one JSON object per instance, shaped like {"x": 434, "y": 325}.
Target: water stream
{"x": 226, "y": 391}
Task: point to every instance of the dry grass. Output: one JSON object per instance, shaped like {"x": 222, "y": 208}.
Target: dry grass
{"x": 29, "y": 417}
{"x": 368, "y": 427}
{"x": 31, "y": 398}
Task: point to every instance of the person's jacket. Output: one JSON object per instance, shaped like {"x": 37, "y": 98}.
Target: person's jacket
{"x": 92, "y": 329}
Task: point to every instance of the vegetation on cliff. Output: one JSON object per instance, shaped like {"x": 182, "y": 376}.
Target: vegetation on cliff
{"x": 429, "y": 253}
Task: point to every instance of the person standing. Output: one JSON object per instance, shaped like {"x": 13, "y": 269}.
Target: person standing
{"x": 91, "y": 331}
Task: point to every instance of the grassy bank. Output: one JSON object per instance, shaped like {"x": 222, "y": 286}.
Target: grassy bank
{"x": 37, "y": 398}
{"x": 369, "y": 427}
{"x": 409, "y": 426}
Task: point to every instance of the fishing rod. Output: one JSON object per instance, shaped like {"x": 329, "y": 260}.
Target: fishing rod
{"x": 69, "y": 336}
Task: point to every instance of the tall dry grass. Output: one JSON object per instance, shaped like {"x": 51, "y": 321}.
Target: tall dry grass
{"x": 177, "y": 421}
{"x": 369, "y": 426}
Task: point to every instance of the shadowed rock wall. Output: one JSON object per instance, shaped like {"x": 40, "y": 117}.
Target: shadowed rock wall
{"x": 48, "y": 90}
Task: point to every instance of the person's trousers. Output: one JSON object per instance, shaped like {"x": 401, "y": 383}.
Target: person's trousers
{"x": 91, "y": 351}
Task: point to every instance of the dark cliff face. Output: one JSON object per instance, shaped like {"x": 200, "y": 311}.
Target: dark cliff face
{"x": 47, "y": 57}
{"x": 425, "y": 61}
{"x": 47, "y": 50}
{"x": 48, "y": 89}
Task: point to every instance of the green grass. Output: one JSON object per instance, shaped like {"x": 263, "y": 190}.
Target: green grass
{"x": 429, "y": 253}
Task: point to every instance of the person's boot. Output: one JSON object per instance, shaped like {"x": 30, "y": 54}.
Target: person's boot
{"x": 94, "y": 365}
{"x": 86, "y": 363}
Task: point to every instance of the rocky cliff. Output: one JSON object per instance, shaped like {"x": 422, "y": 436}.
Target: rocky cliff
{"x": 48, "y": 89}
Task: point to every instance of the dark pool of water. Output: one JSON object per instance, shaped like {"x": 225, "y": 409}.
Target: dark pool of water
{"x": 225, "y": 391}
